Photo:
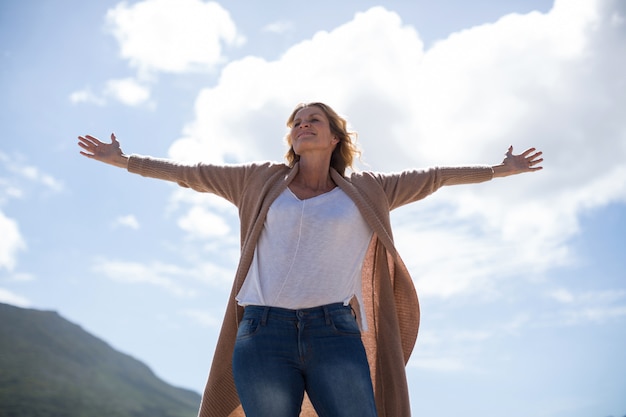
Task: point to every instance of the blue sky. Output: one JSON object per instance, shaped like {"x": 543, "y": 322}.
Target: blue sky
{"x": 521, "y": 280}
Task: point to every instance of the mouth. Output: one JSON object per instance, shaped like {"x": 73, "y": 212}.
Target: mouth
{"x": 304, "y": 134}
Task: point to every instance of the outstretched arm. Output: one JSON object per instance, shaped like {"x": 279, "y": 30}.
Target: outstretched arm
{"x": 109, "y": 153}
{"x": 528, "y": 161}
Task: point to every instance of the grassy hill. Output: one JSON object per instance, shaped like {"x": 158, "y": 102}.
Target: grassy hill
{"x": 50, "y": 367}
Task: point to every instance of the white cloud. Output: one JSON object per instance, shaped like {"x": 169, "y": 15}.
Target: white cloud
{"x": 554, "y": 81}
{"x": 449, "y": 350}
{"x": 127, "y": 91}
{"x": 172, "y": 35}
{"x": 129, "y": 221}
{"x": 202, "y": 223}
{"x": 279, "y": 27}
{"x": 19, "y": 170}
{"x": 181, "y": 197}
{"x": 586, "y": 307}
{"x": 9, "y": 191}
{"x": 517, "y": 323}
{"x": 594, "y": 314}
{"x": 176, "y": 280}
{"x": 562, "y": 295}
{"x": 15, "y": 183}
{"x": 156, "y": 274}
{"x": 20, "y": 277}
{"x": 11, "y": 243}
{"x": 9, "y": 297}
{"x": 86, "y": 96}
{"x": 565, "y": 296}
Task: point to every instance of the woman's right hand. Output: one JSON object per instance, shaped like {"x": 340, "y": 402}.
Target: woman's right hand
{"x": 109, "y": 153}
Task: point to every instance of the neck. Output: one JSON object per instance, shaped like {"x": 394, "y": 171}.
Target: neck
{"x": 314, "y": 175}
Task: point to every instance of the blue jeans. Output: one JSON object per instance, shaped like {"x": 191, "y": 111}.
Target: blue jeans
{"x": 279, "y": 354}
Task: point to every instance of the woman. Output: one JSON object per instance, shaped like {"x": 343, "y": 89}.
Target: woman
{"x": 323, "y": 314}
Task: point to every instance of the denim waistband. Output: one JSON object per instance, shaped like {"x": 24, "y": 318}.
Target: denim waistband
{"x": 279, "y": 313}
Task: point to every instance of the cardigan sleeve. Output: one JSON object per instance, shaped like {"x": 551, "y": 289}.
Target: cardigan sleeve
{"x": 227, "y": 181}
{"x": 409, "y": 186}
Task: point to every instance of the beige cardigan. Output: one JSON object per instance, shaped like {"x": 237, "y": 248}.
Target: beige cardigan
{"x": 389, "y": 296}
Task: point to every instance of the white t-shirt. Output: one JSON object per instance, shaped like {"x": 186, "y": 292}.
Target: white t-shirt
{"x": 310, "y": 253}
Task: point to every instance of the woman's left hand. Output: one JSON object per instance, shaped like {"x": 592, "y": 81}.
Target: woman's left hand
{"x": 527, "y": 161}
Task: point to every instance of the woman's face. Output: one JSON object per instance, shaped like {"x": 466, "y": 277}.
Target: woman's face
{"x": 311, "y": 132}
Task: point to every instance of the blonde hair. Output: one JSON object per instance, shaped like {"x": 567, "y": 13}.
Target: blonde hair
{"x": 346, "y": 150}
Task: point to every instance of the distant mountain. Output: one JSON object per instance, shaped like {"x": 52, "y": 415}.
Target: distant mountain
{"x": 50, "y": 367}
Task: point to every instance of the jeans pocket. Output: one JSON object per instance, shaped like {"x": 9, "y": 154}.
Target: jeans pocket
{"x": 247, "y": 328}
{"x": 345, "y": 323}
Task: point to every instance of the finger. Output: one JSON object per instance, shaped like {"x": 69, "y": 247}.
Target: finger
{"x": 93, "y": 139}
{"x": 86, "y": 143}
{"x": 84, "y": 146}
{"x": 509, "y": 152}
{"x": 534, "y": 164}
{"x": 528, "y": 152}
{"x": 114, "y": 139}
{"x": 84, "y": 139}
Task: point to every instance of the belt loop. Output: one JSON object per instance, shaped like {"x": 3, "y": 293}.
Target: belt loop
{"x": 326, "y": 315}
{"x": 266, "y": 311}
